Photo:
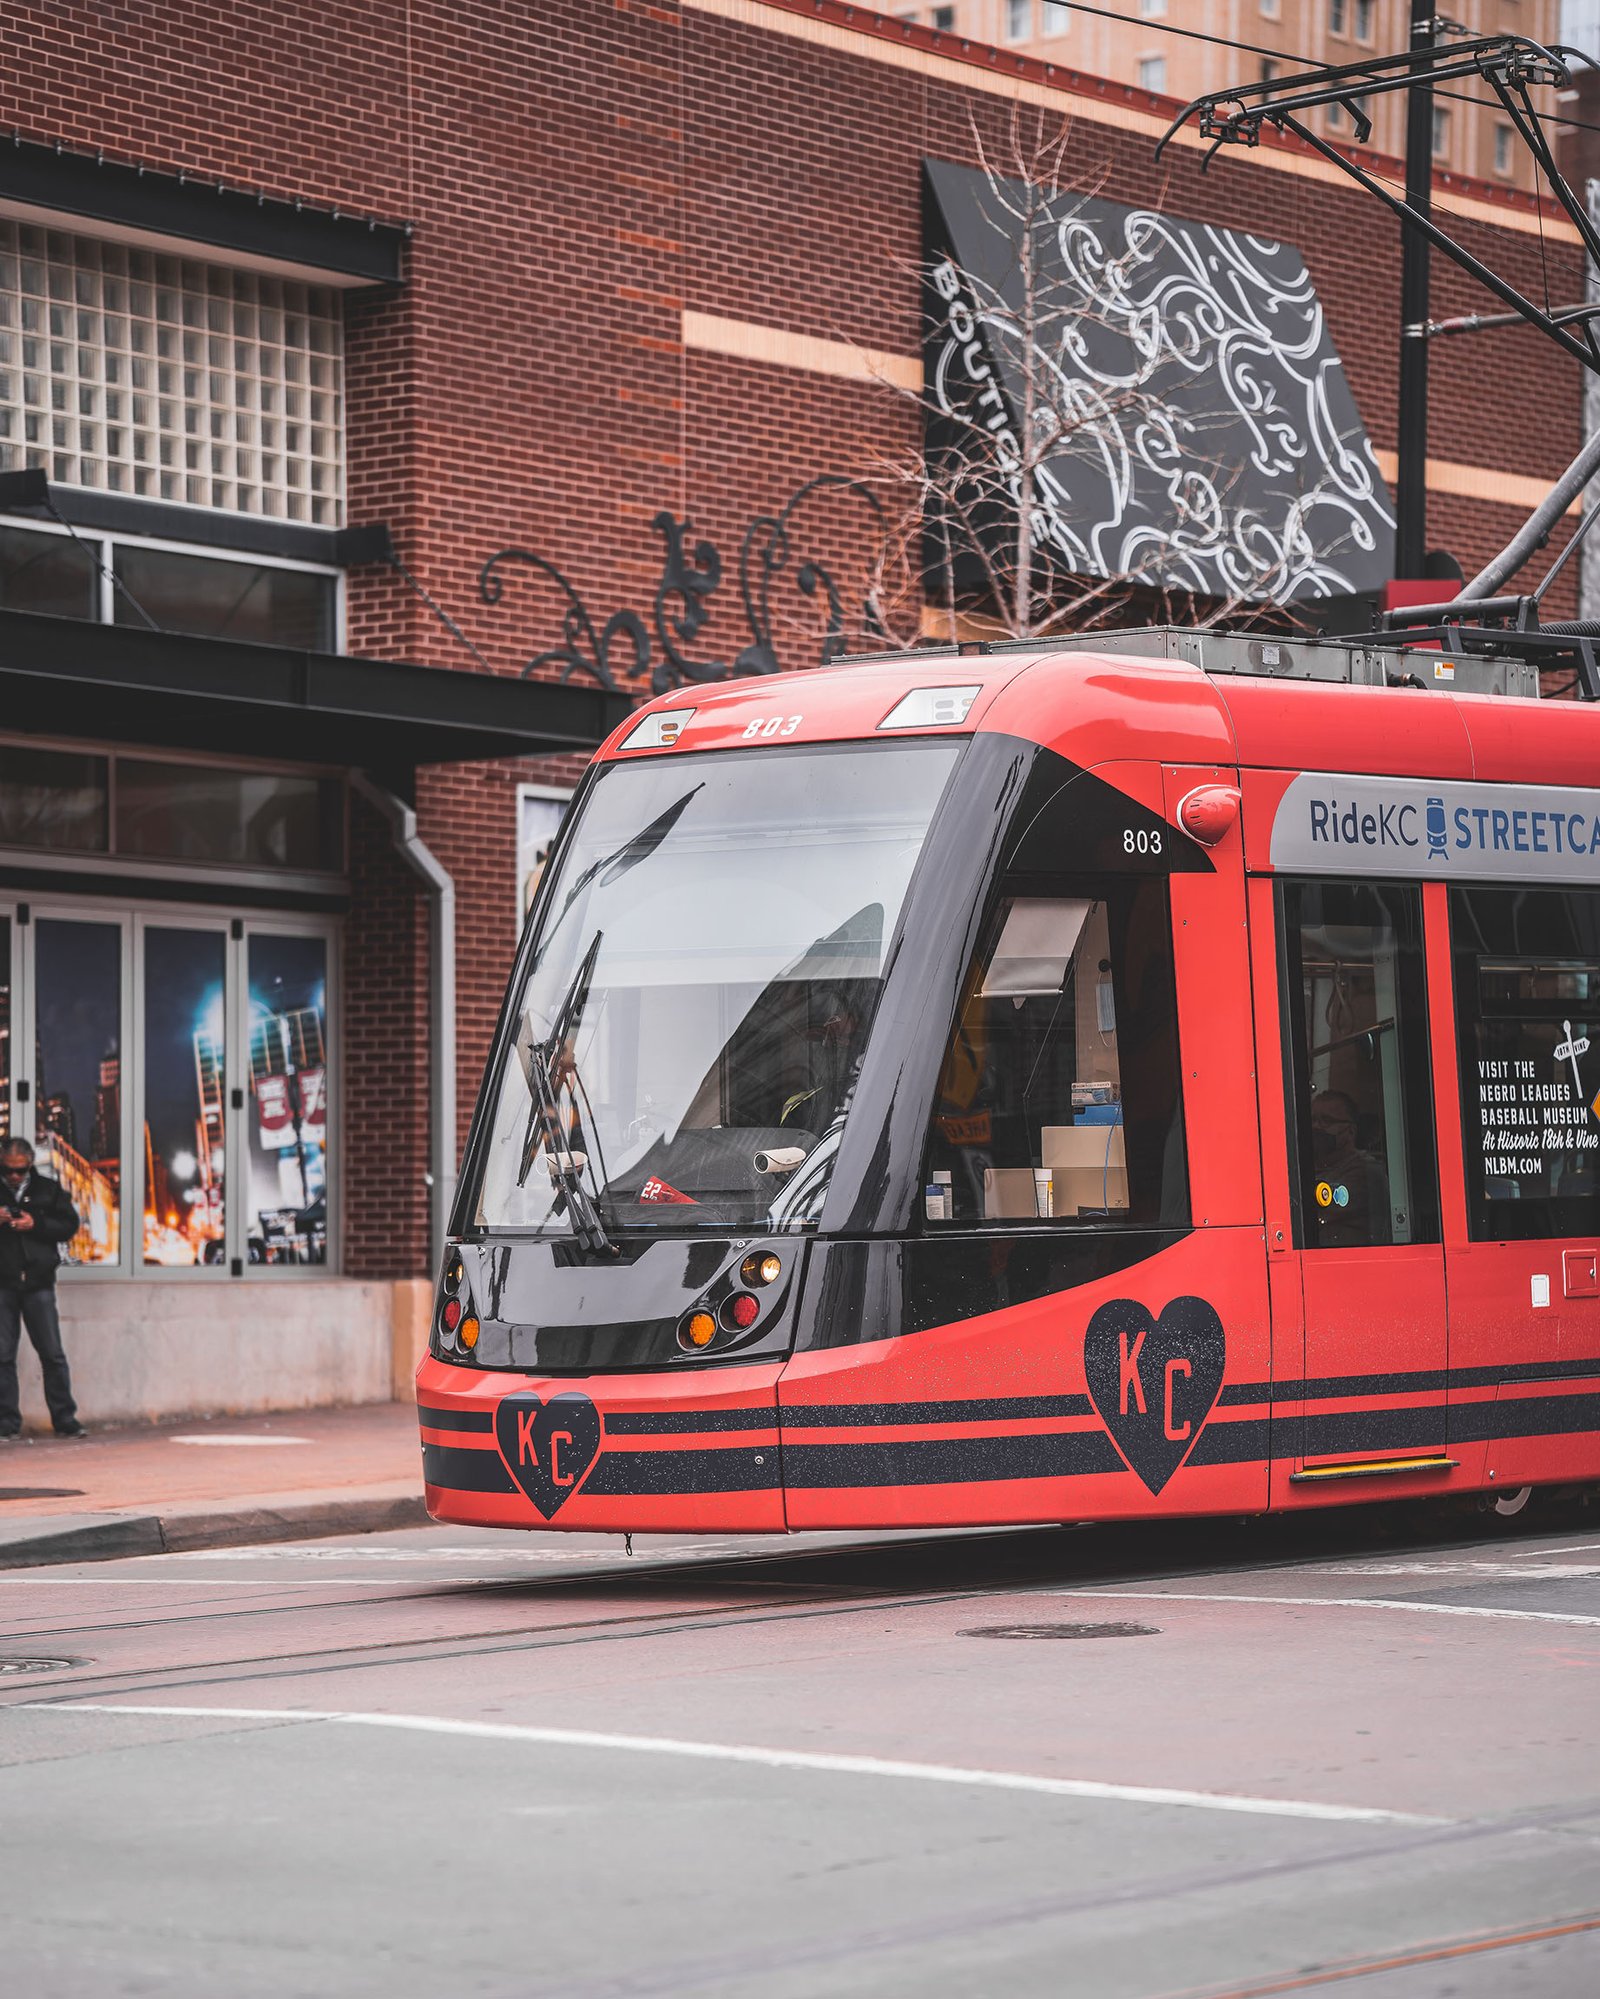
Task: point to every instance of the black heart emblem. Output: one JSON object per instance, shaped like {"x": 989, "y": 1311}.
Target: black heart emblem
{"x": 548, "y": 1446}
{"x": 1154, "y": 1381}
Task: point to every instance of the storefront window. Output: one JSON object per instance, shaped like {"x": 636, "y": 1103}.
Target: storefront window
{"x": 227, "y": 600}
{"x": 54, "y": 799}
{"x": 78, "y": 1076}
{"x": 49, "y": 573}
{"x": 288, "y": 1136}
{"x": 264, "y": 819}
{"x": 1059, "y": 1096}
{"x": 185, "y": 1138}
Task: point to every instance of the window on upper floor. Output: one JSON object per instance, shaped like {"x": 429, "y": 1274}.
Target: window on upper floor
{"x": 1055, "y": 17}
{"x": 1338, "y": 17}
{"x": 132, "y": 371}
{"x": 1441, "y": 131}
{"x": 1019, "y": 20}
{"x": 1152, "y": 10}
{"x": 1503, "y": 136}
{"x": 1366, "y": 17}
{"x": 1153, "y": 73}
{"x": 944, "y": 18}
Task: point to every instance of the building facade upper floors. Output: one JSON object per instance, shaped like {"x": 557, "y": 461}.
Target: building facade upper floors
{"x": 1186, "y": 48}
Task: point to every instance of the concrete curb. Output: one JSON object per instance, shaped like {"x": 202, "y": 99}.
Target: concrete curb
{"x": 111, "y": 1537}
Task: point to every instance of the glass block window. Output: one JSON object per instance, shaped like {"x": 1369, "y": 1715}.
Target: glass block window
{"x": 130, "y": 371}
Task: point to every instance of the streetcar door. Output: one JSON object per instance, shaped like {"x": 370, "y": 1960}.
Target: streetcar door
{"x": 1363, "y": 1182}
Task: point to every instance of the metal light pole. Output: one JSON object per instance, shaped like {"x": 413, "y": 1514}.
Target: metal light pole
{"x": 1411, "y": 486}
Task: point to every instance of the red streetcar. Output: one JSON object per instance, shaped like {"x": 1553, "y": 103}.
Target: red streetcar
{"x": 1152, "y": 1077}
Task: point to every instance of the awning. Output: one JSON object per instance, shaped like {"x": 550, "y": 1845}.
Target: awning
{"x": 1206, "y": 438}
{"x": 66, "y": 678}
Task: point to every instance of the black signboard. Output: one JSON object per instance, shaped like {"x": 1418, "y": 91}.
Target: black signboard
{"x": 1204, "y": 435}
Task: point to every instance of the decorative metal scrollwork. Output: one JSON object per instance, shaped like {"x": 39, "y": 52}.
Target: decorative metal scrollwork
{"x": 691, "y": 574}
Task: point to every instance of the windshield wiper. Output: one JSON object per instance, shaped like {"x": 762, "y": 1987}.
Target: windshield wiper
{"x": 546, "y": 1109}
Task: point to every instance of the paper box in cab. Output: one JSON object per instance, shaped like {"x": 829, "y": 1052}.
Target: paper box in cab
{"x": 1088, "y": 1166}
{"x": 1008, "y": 1193}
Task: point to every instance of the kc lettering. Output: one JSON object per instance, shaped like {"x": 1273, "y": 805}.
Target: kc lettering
{"x": 527, "y": 1450}
{"x": 1176, "y": 1433}
{"x": 1130, "y": 1373}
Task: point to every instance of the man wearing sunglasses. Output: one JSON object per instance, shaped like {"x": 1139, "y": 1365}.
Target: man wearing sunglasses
{"x": 36, "y": 1218}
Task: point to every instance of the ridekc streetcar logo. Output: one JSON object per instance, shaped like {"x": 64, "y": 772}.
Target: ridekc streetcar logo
{"x": 1328, "y": 823}
{"x": 1154, "y": 1381}
{"x": 548, "y": 1446}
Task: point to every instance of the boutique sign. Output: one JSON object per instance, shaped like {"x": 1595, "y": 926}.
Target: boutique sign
{"x": 1328, "y": 824}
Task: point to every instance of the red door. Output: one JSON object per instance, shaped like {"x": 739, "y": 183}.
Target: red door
{"x": 1362, "y": 1191}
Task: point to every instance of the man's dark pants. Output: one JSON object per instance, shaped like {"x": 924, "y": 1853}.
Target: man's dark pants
{"x": 36, "y": 1310}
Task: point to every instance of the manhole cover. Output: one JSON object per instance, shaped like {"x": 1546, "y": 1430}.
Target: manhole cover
{"x": 41, "y": 1492}
{"x": 1063, "y": 1631}
{"x": 39, "y": 1665}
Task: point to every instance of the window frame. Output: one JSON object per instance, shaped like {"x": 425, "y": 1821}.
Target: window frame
{"x": 132, "y": 921}
{"x": 1421, "y": 1124}
{"x": 1467, "y": 1014}
{"x": 1069, "y": 887}
{"x": 102, "y": 541}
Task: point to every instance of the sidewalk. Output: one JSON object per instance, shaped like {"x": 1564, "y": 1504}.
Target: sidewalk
{"x": 209, "y": 1482}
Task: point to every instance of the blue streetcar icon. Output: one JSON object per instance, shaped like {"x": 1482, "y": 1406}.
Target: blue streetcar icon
{"x": 1438, "y": 839}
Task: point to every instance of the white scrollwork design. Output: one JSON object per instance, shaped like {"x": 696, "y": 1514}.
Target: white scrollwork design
{"x": 1205, "y": 436}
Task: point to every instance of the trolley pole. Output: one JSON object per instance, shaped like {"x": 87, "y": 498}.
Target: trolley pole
{"x": 1411, "y": 486}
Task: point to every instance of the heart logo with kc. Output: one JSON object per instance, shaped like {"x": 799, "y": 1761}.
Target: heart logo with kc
{"x": 1154, "y": 1381}
{"x": 548, "y": 1446}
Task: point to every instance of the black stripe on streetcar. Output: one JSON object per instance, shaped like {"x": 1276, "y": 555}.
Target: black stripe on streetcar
{"x": 664, "y": 1422}
{"x": 996, "y": 1409}
{"x": 454, "y": 1419}
{"x": 466, "y": 1471}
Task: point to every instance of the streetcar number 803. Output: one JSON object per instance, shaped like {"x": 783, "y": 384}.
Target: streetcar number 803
{"x": 1142, "y": 841}
{"x": 772, "y": 725}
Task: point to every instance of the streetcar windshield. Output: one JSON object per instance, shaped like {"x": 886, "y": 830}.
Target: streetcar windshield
{"x": 702, "y": 984}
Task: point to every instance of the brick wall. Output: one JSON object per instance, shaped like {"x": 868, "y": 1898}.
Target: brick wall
{"x": 577, "y": 173}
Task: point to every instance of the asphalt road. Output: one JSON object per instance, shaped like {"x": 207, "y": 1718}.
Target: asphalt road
{"x": 1212, "y": 1758}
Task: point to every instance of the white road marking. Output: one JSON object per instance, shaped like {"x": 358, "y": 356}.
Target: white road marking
{"x": 1501, "y": 1570}
{"x": 339, "y": 1552}
{"x": 772, "y": 1759}
{"x": 238, "y": 1440}
{"x": 1329, "y": 1603}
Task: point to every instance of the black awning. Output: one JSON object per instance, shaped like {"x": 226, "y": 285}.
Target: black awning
{"x": 177, "y": 208}
{"x": 108, "y": 683}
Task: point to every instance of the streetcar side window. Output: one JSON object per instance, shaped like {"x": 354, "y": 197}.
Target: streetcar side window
{"x": 1527, "y": 989}
{"x": 1361, "y": 1097}
{"x": 1059, "y": 1099}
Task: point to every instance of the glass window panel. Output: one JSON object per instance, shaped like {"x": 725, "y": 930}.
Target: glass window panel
{"x": 287, "y": 1141}
{"x": 1059, "y": 1095}
{"x": 1527, "y": 983}
{"x": 78, "y": 1076}
{"x": 231, "y": 600}
{"x": 49, "y": 573}
{"x": 184, "y": 812}
{"x": 52, "y": 798}
{"x": 184, "y": 1097}
{"x": 1363, "y": 1099}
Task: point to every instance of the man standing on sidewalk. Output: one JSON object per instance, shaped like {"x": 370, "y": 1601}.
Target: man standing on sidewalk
{"x": 35, "y": 1219}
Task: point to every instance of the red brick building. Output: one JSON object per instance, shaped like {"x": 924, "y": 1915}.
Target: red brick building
{"x": 557, "y": 278}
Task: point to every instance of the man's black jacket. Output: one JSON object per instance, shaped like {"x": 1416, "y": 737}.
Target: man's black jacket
{"x": 28, "y": 1257}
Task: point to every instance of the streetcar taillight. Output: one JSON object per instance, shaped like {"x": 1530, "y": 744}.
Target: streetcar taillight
{"x": 467, "y": 1333}
{"x": 740, "y": 1310}
{"x": 450, "y": 1317}
{"x": 761, "y": 1268}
